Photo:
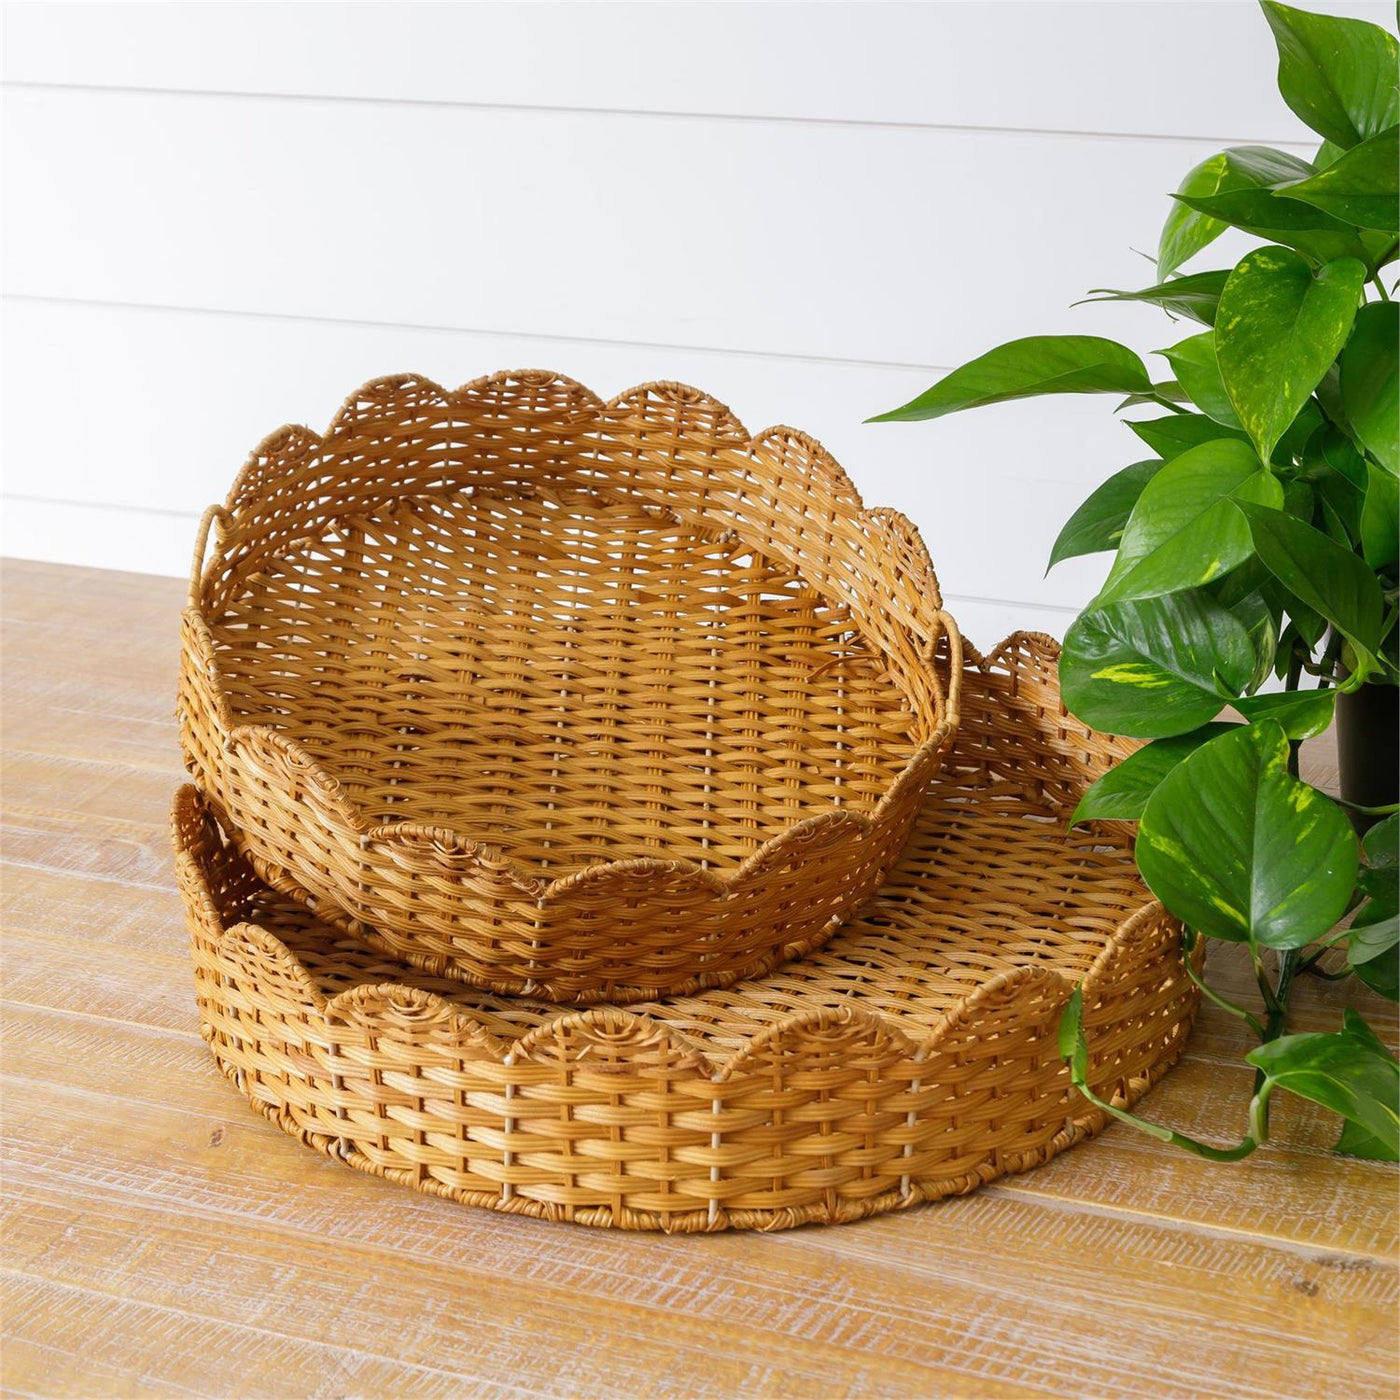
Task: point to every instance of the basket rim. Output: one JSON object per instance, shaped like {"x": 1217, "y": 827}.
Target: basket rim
{"x": 922, "y": 1061}
{"x": 188, "y": 803}
{"x": 283, "y": 749}
{"x": 369, "y": 1006}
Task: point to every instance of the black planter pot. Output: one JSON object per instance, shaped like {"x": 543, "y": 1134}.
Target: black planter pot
{"x": 1368, "y": 748}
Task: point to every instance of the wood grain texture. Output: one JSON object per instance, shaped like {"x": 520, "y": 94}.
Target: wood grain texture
{"x": 160, "y": 1239}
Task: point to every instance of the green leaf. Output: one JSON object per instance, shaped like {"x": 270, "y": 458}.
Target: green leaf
{"x": 1291, "y": 222}
{"x": 1373, "y": 950}
{"x": 1263, "y": 167}
{"x": 1328, "y": 153}
{"x": 1380, "y": 518}
{"x": 1195, "y": 296}
{"x": 1373, "y": 942}
{"x": 1299, "y": 499}
{"x": 1038, "y": 364}
{"x": 1194, "y": 363}
{"x": 1369, "y": 382}
{"x": 1256, "y": 612}
{"x": 1381, "y": 844}
{"x": 1373, "y": 938}
{"x": 1329, "y": 398}
{"x": 1171, "y": 436}
{"x": 1357, "y": 1142}
{"x": 1372, "y": 954}
{"x": 1310, "y": 626}
{"x": 1098, "y": 523}
{"x": 1122, "y": 792}
{"x": 1301, "y": 713}
{"x": 1186, "y": 231}
{"x": 1382, "y": 890}
{"x": 1339, "y": 471}
{"x": 1381, "y": 249}
{"x": 1348, "y": 1071}
{"x": 1354, "y": 1023}
{"x": 1342, "y": 500}
{"x": 1295, "y": 437}
{"x": 1072, "y": 1045}
{"x": 1339, "y": 454}
{"x": 1189, "y": 226}
{"x": 1337, "y": 74}
{"x": 1251, "y": 578}
{"x": 1184, "y": 531}
{"x": 1334, "y": 525}
{"x": 1148, "y": 668}
{"x": 1167, "y": 389}
{"x": 1361, "y": 187}
{"x": 1280, "y": 326}
{"x": 1287, "y": 639}
{"x": 1237, "y": 847}
{"x": 1322, "y": 575}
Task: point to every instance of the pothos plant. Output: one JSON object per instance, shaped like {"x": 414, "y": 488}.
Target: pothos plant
{"x": 1258, "y": 539}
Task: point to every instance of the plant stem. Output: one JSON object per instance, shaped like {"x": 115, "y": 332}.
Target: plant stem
{"x": 1340, "y": 975}
{"x": 1327, "y": 673}
{"x": 1321, "y": 669}
{"x": 1296, "y": 661}
{"x": 1315, "y": 956}
{"x": 1167, "y": 403}
{"x": 1275, "y": 998}
{"x": 1266, "y": 989}
{"x": 1224, "y": 1003}
{"x": 1258, "y": 1126}
{"x": 1277, "y": 1023}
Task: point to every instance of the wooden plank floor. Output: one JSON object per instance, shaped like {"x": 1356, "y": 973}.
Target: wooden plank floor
{"x": 159, "y": 1238}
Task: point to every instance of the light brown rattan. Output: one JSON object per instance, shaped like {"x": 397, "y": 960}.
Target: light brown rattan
{"x": 558, "y": 697}
{"x": 913, "y": 1057}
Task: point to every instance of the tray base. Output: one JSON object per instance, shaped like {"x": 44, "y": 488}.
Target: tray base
{"x": 914, "y": 1057}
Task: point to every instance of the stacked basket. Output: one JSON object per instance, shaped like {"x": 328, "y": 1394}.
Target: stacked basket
{"x": 557, "y": 764}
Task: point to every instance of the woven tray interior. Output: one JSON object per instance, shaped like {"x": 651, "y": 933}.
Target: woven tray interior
{"x": 912, "y": 1057}
{"x": 570, "y": 679}
{"x": 557, "y": 697}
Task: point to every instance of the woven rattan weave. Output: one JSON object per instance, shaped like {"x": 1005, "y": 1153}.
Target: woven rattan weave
{"x": 558, "y": 697}
{"x": 913, "y": 1057}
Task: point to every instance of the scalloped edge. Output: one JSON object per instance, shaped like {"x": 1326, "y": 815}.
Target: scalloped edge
{"x": 289, "y": 764}
{"x": 846, "y": 1039}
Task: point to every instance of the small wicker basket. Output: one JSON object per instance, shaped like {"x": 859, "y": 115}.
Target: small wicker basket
{"x": 558, "y": 697}
{"x": 913, "y": 1057}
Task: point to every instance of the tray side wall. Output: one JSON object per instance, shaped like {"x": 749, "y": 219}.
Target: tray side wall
{"x": 608, "y": 1118}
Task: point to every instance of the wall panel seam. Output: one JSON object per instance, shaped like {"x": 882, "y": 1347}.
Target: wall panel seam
{"x": 47, "y": 299}
{"x": 867, "y": 123}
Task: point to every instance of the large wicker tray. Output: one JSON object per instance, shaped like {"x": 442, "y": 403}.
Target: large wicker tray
{"x": 913, "y": 1057}
{"x": 562, "y": 698}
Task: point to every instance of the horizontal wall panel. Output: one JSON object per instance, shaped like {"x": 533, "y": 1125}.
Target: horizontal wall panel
{"x": 131, "y": 415}
{"x": 97, "y": 537}
{"x": 886, "y": 244}
{"x": 1193, "y": 68}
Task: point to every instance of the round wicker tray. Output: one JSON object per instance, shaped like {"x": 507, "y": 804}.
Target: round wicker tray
{"x": 562, "y": 698}
{"x": 913, "y": 1057}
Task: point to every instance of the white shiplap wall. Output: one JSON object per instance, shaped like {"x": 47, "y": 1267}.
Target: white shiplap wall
{"x": 221, "y": 217}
